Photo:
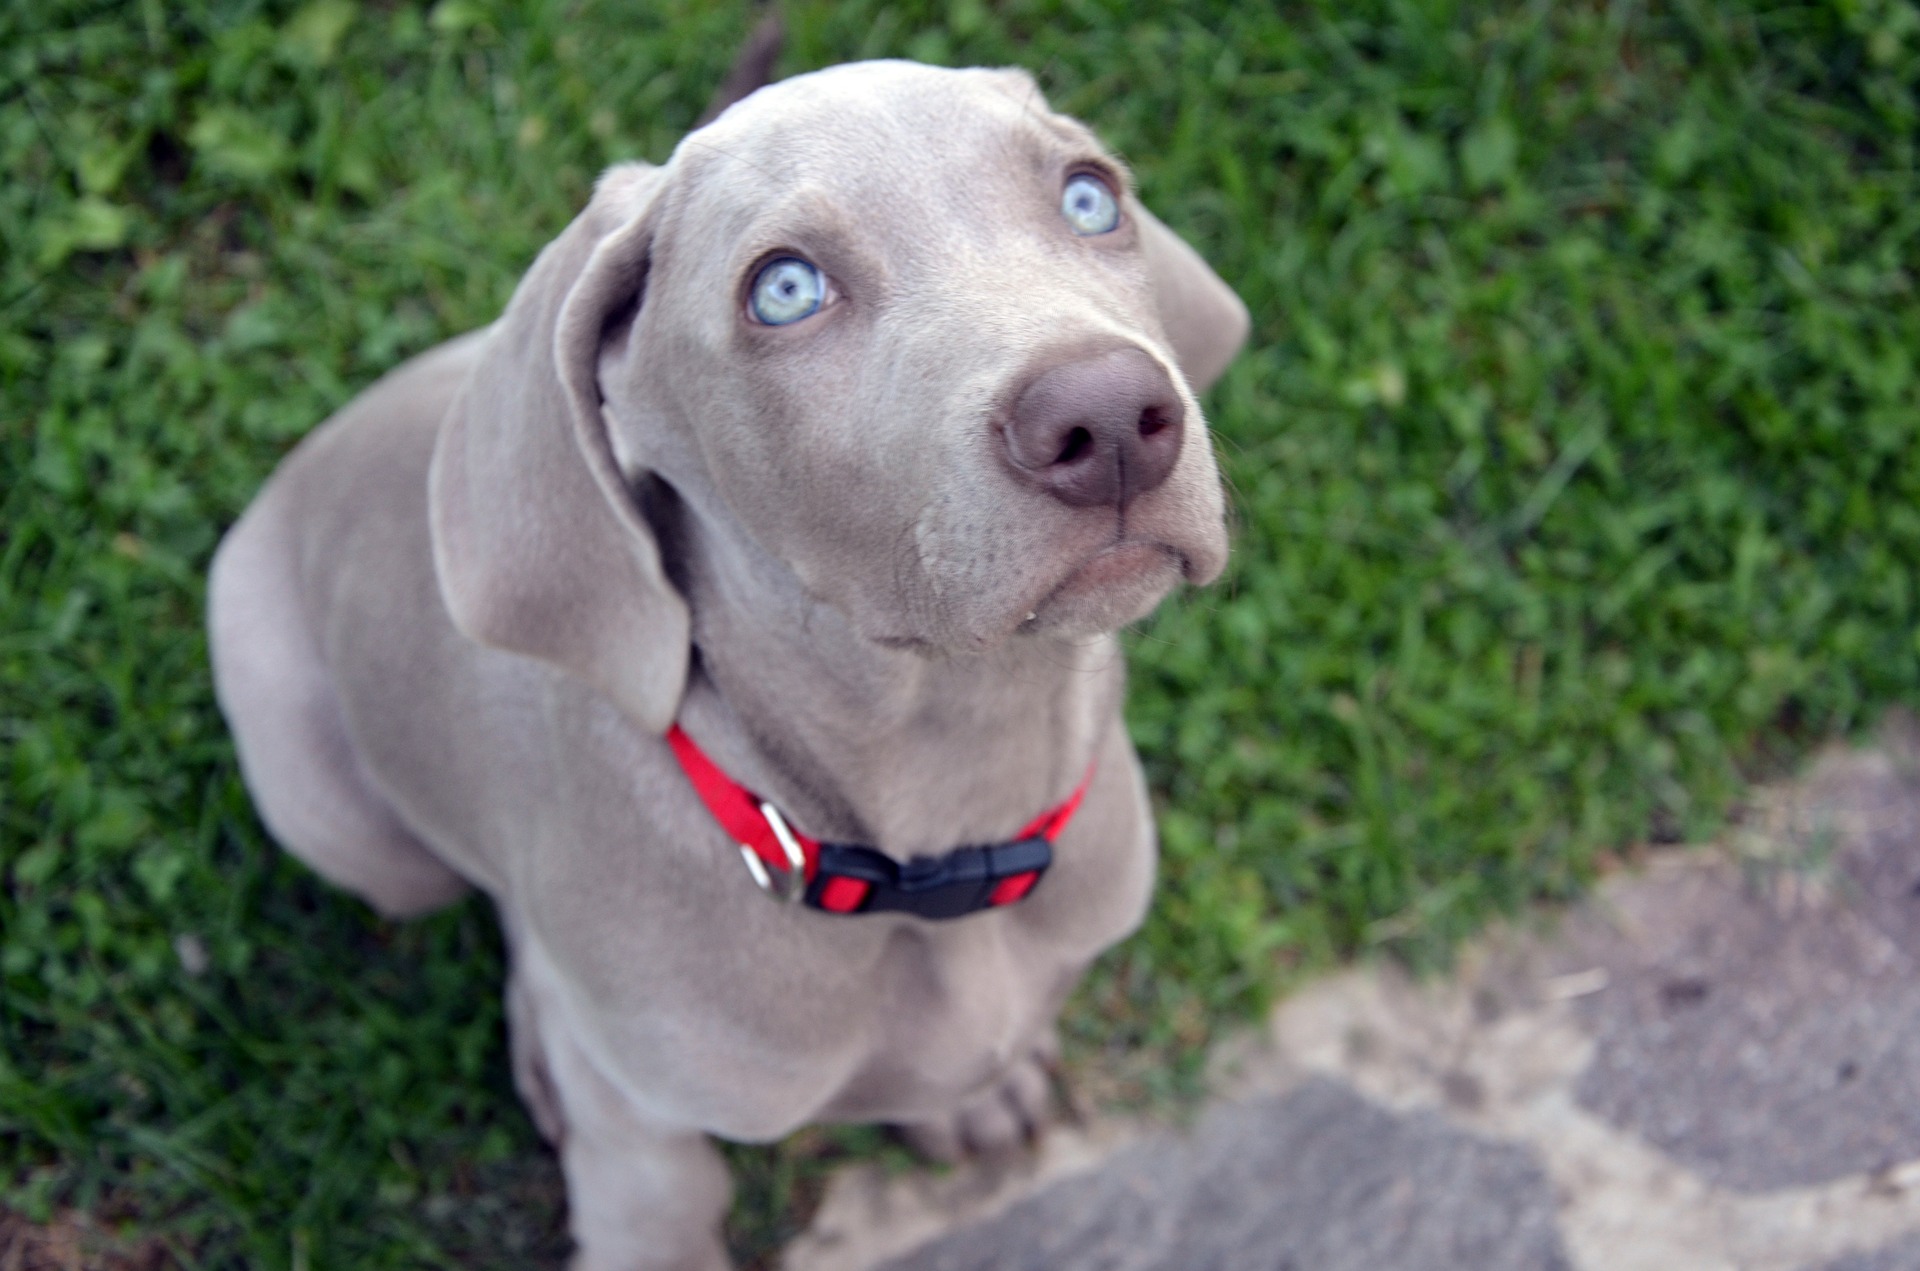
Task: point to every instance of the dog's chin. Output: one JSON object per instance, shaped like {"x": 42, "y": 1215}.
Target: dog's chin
{"x": 1120, "y": 585}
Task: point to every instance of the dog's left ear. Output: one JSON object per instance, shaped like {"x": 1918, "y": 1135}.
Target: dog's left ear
{"x": 537, "y": 541}
{"x": 1204, "y": 321}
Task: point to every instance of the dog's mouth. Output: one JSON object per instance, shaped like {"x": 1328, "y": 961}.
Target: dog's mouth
{"x": 1119, "y": 584}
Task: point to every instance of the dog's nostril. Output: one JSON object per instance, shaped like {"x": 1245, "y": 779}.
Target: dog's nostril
{"x": 1079, "y": 441}
{"x": 1097, "y": 430}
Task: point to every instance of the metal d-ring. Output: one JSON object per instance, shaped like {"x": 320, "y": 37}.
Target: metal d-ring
{"x": 793, "y": 884}
{"x": 754, "y": 867}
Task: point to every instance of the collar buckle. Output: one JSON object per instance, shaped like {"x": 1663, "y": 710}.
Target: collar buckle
{"x": 960, "y": 882}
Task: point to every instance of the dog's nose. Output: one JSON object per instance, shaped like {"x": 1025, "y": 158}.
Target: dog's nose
{"x": 1097, "y": 430}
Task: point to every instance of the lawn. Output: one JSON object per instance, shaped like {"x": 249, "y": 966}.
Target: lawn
{"x": 1575, "y": 463}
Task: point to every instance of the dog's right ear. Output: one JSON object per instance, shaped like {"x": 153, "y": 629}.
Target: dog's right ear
{"x": 538, "y": 544}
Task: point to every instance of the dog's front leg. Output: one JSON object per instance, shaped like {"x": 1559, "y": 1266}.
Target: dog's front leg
{"x": 641, "y": 1196}
{"x": 641, "y": 1199}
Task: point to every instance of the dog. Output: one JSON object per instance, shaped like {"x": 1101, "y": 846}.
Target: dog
{"x": 736, "y": 612}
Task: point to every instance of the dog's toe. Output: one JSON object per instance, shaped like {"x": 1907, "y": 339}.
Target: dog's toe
{"x": 993, "y": 1127}
{"x": 1029, "y": 1090}
{"x": 995, "y": 1121}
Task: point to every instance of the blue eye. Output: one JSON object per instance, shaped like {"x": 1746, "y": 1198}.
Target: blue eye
{"x": 786, "y": 290}
{"x": 1089, "y": 205}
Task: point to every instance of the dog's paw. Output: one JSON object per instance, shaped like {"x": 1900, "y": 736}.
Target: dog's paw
{"x": 998, "y": 1120}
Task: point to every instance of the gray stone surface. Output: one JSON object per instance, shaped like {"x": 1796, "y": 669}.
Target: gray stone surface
{"x": 1711, "y": 1064}
{"x": 1762, "y": 1021}
{"x": 1317, "y": 1180}
{"x": 1880, "y": 862}
{"x": 1902, "y": 1255}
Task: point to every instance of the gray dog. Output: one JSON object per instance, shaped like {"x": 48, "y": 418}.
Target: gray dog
{"x": 734, "y": 612}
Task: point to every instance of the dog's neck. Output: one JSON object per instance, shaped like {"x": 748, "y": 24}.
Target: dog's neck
{"x": 856, "y": 741}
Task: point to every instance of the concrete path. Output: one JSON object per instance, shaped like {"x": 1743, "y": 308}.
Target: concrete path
{"x": 1713, "y": 1065}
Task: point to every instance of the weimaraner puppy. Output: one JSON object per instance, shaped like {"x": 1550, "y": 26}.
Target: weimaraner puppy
{"x": 735, "y": 612}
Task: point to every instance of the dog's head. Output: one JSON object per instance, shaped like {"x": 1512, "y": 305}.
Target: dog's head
{"x": 902, "y": 329}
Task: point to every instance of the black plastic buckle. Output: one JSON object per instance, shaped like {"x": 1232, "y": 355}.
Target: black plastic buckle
{"x": 950, "y": 886}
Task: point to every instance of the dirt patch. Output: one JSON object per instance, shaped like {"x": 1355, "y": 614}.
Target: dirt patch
{"x": 76, "y": 1242}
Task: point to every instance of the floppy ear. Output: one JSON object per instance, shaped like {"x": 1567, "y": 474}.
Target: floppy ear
{"x": 537, "y": 541}
{"x": 1204, "y": 321}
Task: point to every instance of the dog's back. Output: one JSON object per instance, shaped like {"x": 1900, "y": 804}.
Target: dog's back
{"x": 350, "y": 499}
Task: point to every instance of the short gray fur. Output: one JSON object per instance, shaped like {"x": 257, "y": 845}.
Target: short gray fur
{"x": 452, "y": 632}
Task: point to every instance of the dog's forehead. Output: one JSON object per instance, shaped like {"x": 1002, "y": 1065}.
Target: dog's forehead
{"x": 870, "y": 128}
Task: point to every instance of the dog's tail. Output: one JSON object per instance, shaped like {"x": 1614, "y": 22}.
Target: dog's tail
{"x": 752, "y": 69}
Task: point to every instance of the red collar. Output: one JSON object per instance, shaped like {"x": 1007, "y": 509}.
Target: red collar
{"x": 844, "y": 878}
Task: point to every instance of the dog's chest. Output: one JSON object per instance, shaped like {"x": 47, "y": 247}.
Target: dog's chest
{"x": 949, "y": 1016}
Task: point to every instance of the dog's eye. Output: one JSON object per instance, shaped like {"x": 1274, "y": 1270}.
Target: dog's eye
{"x": 786, "y": 290}
{"x": 1089, "y": 205}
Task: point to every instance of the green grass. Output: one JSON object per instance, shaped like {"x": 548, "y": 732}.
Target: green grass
{"x": 1576, "y": 461}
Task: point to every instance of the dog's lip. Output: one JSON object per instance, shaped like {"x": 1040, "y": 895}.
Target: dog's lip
{"x": 1115, "y": 563}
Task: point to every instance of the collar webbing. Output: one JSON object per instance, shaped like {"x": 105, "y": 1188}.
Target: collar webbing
{"x": 846, "y": 878}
